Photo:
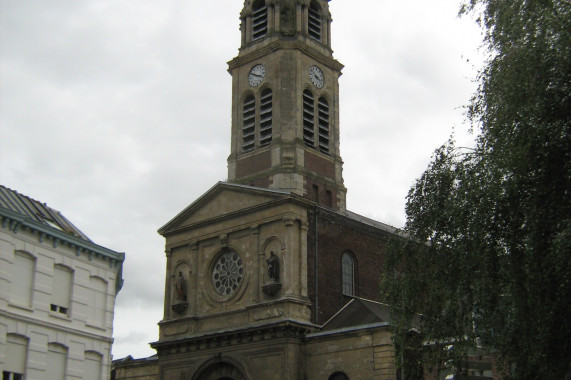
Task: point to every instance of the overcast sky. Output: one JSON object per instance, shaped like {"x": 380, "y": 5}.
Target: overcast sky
{"x": 117, "y": 114}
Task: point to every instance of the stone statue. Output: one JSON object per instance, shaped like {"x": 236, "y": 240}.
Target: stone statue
{"x": 180, "y": 288}
{"x": 273, "y": 267}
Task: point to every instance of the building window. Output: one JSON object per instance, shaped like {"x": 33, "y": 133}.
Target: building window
{"x": 92, "y": 365}
{"x": 22, "y": 279}
{"x": 328, "y": 198}
{"x": 259, "y": 20}
{"x": 266, "y": 117}
{"x": 97, "y": 301}
{"x": 339, "y": 376}
{"x": 15, "y": 357}
{"x": 56, "y": 363}
{"x": 61, "y": 290}
{"x": 323, "y": 117}
{"x": 308, "y": 119}
{"x": 249, "y": 123}
{"x": 314, "y": 21}
{"x": 348, "y": 274}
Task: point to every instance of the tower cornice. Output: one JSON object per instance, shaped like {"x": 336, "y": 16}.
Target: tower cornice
{"x": 256, "y": 54}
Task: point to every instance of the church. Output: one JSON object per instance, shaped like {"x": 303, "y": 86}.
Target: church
{"x": 268, "y": 275}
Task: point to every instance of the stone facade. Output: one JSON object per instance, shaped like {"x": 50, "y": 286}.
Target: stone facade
{"x": 361, "y": 354}
{"x": 57, "y": 295}
{"x": 262, "y": 333}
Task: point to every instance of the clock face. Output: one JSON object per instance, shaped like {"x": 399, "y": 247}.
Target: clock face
{"x": 257, "y": 75}
{"x": 316, "y": 76}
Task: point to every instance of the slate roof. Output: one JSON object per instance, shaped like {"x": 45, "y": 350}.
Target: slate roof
{"x": 358, "y": 312}
{"x": 36, "y": 211}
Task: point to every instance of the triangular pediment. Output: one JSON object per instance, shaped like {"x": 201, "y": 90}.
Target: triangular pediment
{"x": 221, "y": 200}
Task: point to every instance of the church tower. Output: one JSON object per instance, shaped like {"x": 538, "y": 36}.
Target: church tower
{"x": 285, "y": 102}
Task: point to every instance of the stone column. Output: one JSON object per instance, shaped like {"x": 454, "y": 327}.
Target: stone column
{"x": 192, "y": 278}
{"x": 258, "y": 269}
{"x": 303, "y": 230}
{"x": 248, "y": 29}
{"x": 289, "y": 281}
{"x": 168, "y": 285}
{"x": 244, "y": 30}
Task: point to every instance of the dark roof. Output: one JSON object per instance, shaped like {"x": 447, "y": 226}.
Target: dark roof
{"x": 358, "y": 312}
{"x": 371, "y": 222}
{"x": 36, "y": 211}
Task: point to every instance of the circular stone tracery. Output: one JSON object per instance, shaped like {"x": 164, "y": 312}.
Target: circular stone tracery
{"x": 228, "y": 273}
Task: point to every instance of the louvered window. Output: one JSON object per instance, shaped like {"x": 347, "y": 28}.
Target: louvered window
{"x": 323, "y": 117}
{"x": 308, "y": 118}
{"x": 249, "y": 123}
{"x": 259, "y": 20}
{"x": 314, "y": 22}
{"x": 266, "y": 117}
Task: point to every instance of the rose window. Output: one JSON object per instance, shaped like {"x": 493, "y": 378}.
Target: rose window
{"x": 228, "y": 273}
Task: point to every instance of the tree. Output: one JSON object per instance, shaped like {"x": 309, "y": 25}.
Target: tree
{"x": 486, "y": 257}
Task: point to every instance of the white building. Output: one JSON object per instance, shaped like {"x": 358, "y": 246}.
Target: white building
{"x": 57, "y": 295}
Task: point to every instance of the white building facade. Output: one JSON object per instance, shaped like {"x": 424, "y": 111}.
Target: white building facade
{"x": 57, "y": 295}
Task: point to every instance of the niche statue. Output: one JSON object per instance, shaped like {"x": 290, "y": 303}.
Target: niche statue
{"x": 272, "y": 286}
{"x": 180, "y": 288}
{"x": 180, "y": 297}
{"x": 273, "y": 267}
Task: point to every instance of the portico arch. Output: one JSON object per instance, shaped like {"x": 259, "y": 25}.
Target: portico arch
{"x": 220, "y": 369}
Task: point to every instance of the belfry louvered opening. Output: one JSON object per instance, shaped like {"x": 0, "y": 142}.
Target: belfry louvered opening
{"x": 308, "y": 119}
{"x": 323, "y": 118}
{"x": 249, "y": 123}
{"x": 259, "y": 20}
{"x": 314, "y": 21}
{"x": 266, "y": 117}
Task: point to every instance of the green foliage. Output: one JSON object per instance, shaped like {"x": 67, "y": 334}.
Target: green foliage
{"x": 497, "y": 266}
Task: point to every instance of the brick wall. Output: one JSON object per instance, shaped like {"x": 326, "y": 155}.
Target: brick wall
{"x": 253, "y": 164}
{"x": 337, "y": 234}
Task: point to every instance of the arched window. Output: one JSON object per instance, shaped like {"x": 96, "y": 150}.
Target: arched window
{"x": 348, "y": 274}
{"x": 314, "y": 21}
{"x": 97, "y": 301}
{"x": 61, "y": 289}
{"x": 308, "y": 118}
{"x": 259, "y": 20}
{"x": 92, "y": 365}
{"x": 266, "y": 117}
{"x": 339, "y": 376}
{"x": 15, "y": 357}
{"x": 248, "y": 123}
{"x": 323, "y": 117}
{"x": 57, "y": 362}
{"x": 22, "y": 279}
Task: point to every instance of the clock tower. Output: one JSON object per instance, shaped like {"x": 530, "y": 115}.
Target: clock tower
{"x": 285, "y": 102}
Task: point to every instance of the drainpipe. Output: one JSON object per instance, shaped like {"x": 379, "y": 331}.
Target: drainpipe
{"x": 316, "y": 267}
